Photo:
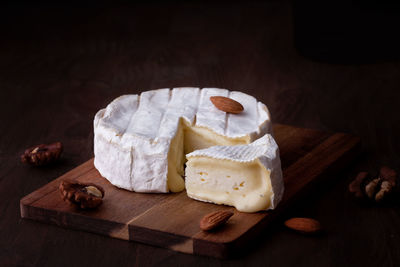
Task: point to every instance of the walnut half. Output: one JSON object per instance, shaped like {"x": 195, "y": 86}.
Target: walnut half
{"x": 43, "y": 154}
{"x": 375, "y": 189}
{"x": 86, "y": 196}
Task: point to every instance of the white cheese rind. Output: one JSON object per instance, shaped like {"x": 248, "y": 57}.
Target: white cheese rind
{"x": 248, "y": 177}
{"x": 133, "y": 133}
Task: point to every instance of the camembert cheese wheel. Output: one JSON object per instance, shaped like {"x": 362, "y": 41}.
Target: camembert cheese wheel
{"x": 140, "y": 141}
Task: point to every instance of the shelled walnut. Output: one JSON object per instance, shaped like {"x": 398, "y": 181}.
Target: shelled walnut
{"x": 43, "y": 154}
{"x": 86, "y": 196}
{"x": 376, "y": 189}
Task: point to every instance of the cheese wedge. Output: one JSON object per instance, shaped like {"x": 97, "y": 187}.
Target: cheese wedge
{"x": 248, "y": 177}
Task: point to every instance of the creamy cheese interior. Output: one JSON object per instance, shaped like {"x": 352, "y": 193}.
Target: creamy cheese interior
{"x": 244, "y": 185}
{"x": 188, "y": 139}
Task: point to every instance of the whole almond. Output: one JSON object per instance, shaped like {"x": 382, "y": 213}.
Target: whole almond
{"x": 303, "y": 225}
{"x": 214, "y": 219}
{"x": 226, "y": 104}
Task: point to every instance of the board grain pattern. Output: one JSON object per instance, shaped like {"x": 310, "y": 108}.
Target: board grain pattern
{"x": 172, "y": 220}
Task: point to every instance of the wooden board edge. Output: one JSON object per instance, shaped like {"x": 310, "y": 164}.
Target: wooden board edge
{"x": 161, "y": 239}
{"x": 75, "y": 221}
{"x": 179, "y": 243}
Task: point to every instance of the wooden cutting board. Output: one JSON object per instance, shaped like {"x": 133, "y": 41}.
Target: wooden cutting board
{"x": 172, "y": 220}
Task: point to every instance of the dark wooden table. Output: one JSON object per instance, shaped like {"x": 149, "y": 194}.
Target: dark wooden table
{"x": 59, "y": 64}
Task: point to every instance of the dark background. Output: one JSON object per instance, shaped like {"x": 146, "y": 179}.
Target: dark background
{"x": 331, "y": 66}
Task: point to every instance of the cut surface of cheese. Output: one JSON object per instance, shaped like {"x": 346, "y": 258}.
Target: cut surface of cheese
{"x": 140, "y": 141}
{"x": 248, "y": 177}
